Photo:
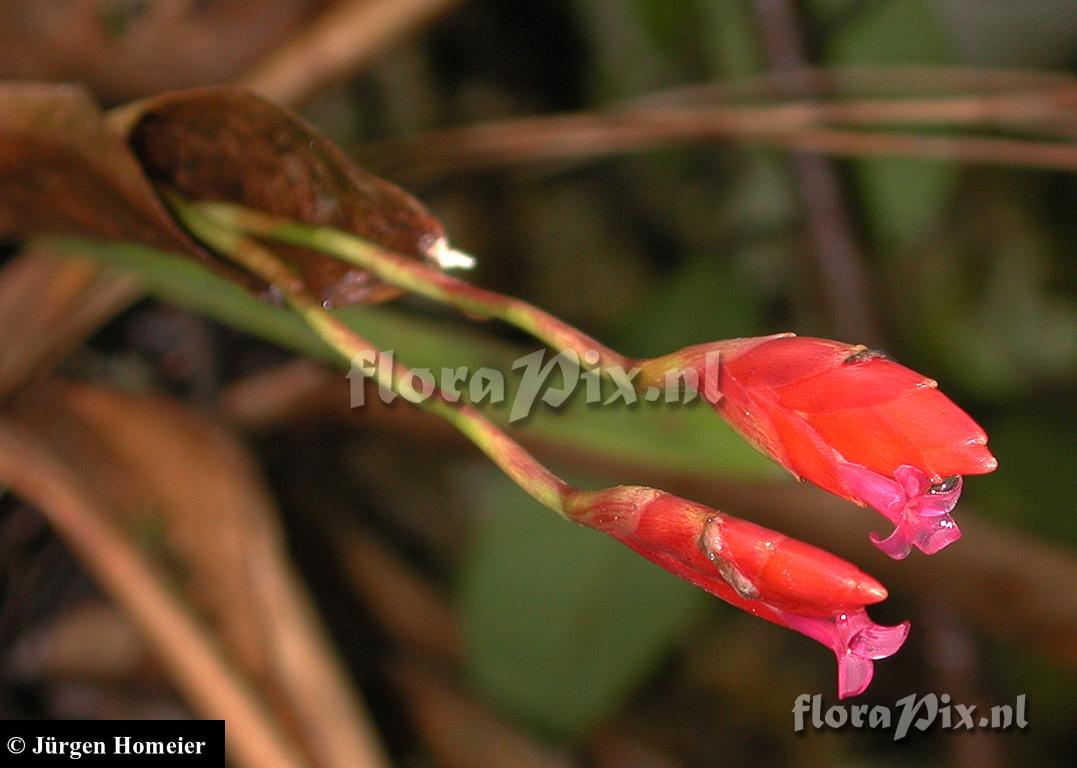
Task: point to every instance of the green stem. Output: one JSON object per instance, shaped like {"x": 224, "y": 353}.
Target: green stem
{"x": 524, "y": 469}
{"x": 420, "y": 278}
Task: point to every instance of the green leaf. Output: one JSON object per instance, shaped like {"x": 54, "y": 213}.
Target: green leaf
{"x": 561, "y": 624}
{"x": 686, "y": 438}
{"x": 182, "y": 281}
{"x": 826, "y": 11}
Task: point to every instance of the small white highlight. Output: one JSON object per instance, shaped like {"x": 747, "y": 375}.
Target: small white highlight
{"x": 448, "y": 257}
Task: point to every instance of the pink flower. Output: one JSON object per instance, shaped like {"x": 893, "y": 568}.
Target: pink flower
{"x": 760, "y": 571}
{"x": 849, "y": 420}
{"x": 919, "y": 508}
{"x": 856, "y": 641}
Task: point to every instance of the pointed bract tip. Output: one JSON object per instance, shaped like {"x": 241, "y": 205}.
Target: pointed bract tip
{"x": 871, "y": 590}
{"x": 448, "y": 257}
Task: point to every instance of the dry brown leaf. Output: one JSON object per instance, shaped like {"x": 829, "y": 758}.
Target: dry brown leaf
{"x": 271, "y": 396}
{"x": 65, "y": 171}
{"x": 228, "y": 144}
{"x": 189, "y": 492}
{"x": 125, "y": 49}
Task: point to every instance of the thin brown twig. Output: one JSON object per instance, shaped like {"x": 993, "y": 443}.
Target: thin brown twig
{"x": 1008, "y": 110}
{"x": 798, "y": 125}
{"x": 992, "y": 151}
{"x": 335, "y": 44}
{"x": 866, "y": 82}
{"x": 34, "y": 474}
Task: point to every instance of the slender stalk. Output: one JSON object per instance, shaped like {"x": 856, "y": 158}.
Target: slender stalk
{"x": 417, "y": 277}
{"x": 524, "y": 469}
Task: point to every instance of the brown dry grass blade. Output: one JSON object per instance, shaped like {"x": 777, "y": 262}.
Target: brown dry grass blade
{"x": 189, "y": 492}
{"x": 125, "y": 50}
{"x": 91, "y": 641}
{"x": 228, "y": 144}
{"x": 35, "y": 473}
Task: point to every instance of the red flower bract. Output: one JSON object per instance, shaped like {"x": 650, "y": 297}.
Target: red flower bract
{"x": 849, "y": 420}
{"x": 766, "y": 573}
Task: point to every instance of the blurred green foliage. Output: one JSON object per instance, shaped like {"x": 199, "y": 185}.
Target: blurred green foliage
{"x": 562, "y": 623}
